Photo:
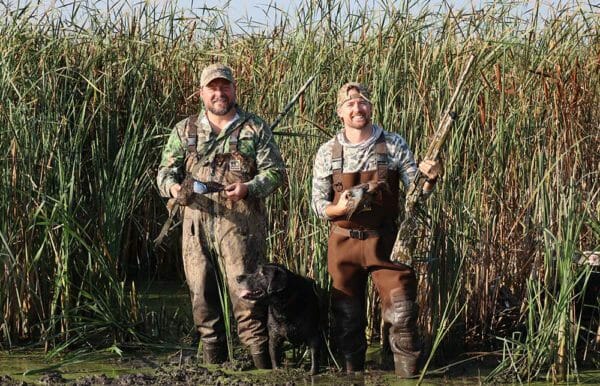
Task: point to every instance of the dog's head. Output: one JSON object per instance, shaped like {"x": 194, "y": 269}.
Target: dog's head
{"x": 267, "y": 281}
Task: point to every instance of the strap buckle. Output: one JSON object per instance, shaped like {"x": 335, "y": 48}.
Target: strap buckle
{"x": 358, "y": 234}
{"x": 338, "y": 186}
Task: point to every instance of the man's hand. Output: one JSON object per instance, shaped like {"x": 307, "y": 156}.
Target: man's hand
{"x": 432, "y": 169}
{"x": 236, "y": 191}
{"x": 174, "y": 190}
{"x": 341, "y": 208}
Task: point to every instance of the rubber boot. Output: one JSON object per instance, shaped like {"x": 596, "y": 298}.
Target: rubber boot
{"x": 402, "y": 315}
{"x": 405, "y": 360}
{"x": 387, "y": 357}
{"x": 355, "y": 363}
{"x": 261, "y": 357}
{"x": 262, "y": 360}
{"x": 214, "y": 353}
{"x": 349, "y": 331}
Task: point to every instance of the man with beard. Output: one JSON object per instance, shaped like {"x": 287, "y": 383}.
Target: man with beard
{"x": 363, "y": 159}
{"x": 231, "y": 153}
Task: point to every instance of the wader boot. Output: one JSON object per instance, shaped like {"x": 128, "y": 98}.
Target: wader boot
{"x": 355, "y": 363}
{"x": 261, "y": 357}
{"x": 214, "y": 353}
{"x": 349, "y": 330}
{"x": 403, "y": 317}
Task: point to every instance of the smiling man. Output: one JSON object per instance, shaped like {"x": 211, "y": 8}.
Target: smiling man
{"x": 364, "y": 164}
{"x": 232, "y": 152}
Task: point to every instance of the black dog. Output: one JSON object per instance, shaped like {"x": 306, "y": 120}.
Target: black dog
{"x": 294, "y": 309}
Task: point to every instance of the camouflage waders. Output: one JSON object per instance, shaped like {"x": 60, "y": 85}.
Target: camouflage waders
{"x": 221, "y": 234}
{"x": 360, "y": 246}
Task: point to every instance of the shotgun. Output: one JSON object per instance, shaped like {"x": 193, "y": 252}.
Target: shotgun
{"x": 406, "y": 237}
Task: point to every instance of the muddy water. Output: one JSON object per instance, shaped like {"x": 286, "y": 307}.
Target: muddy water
{"x": 167, "y": 364}
{"x": 157, "y": 370}
{"x": 31, "y": 366}
{"x": 164, "y": 368}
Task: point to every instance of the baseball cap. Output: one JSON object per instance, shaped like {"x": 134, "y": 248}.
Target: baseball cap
{"x": 215, "y": 71}
{"x": 352, "y": 90}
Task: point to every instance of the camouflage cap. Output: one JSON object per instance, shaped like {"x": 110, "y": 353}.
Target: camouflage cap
{"x": 215, "y": 71}
{"x": 352, "y": 90}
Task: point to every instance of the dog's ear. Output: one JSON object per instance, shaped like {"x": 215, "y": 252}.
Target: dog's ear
{"x": 277, "y": 279}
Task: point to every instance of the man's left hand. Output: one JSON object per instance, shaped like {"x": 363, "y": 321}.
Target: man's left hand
{"x": 432, "y": 169}
{"x": 236, "y": 191}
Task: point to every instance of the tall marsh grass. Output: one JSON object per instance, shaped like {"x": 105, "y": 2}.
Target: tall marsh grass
{"x": 88, "y": 96}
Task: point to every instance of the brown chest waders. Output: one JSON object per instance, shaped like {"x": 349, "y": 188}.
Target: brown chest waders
{"x": 359, "y": 246}
{"x": 219, "y": 234}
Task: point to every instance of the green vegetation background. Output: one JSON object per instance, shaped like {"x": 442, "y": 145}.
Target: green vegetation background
{"x": 88, "y": 95}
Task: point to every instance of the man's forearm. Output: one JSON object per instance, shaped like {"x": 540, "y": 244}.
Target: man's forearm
{"x": 166, "y": 179}
{"x": 333, "y": 210}
{"x": 265, "y": 183}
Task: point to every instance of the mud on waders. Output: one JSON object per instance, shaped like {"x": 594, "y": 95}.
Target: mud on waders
{"x": 173, "y": 204}
{"x": 217, "y": 225}
{"x": 225, "y": 168}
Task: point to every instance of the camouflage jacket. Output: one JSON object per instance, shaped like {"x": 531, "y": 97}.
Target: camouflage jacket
{"x": 255, "y": 140}
{"x": 358, "y": 158}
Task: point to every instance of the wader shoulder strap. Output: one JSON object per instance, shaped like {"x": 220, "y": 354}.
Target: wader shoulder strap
{"x": 233, "y": 138}
{"x": 192, "y": 134}
{"x": 234, "y": 133}
{"x": 337, "y": 163}
{"x": 382, "y": 158}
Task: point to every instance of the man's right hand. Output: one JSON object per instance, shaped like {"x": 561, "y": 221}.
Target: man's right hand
{"x": 341, "y": 208}
{"x": 174, "y": 190}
